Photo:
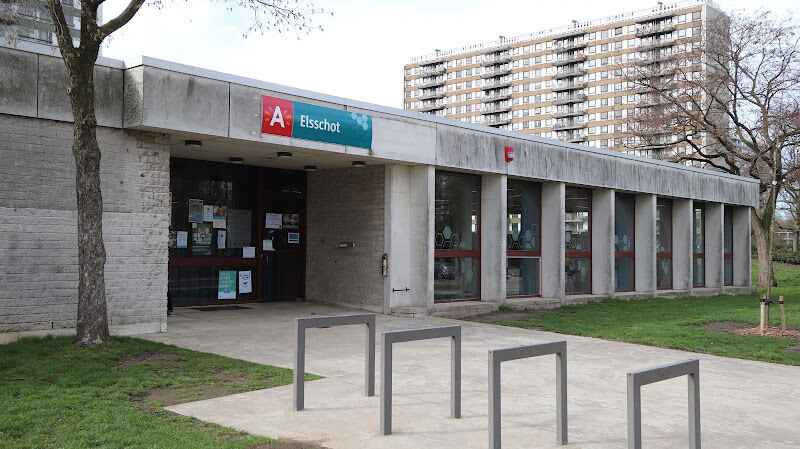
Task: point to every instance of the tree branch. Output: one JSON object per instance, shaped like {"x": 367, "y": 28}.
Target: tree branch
{"x": 124, "y": 17}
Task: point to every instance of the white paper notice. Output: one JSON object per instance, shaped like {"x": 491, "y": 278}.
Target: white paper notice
{"x": 245, "y": 282}
{"x": 274, "y": 221}
{"x": 266, "y": 245}
{"x": 208, "y": 212}
{"x": 182, "y": 238}
{"x": 221, "y": 235}
{"x": 249, "y": 252}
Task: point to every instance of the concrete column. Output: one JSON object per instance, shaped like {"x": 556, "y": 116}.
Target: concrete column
{"x": 742, "y": 277}
{"x": 396, "y": 236}
{"x": 421, "y": 198}
{"x": 682, "y": 215}
{"x": 408, "y": 219}
{"x": 553, "y": 240}
{"x": 603, "y": 242}
{"x": 645, "y": 243}
{"x": 714, "y": 226}
{"x": 493, "y": 237}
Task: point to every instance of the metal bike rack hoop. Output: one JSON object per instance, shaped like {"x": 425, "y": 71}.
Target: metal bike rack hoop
{"x": 329, "y": 321}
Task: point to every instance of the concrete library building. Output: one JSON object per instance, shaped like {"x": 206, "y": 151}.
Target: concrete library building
{"x": 222, "y": 190}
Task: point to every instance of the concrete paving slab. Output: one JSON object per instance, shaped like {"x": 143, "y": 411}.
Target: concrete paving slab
{"x": 744, "y": 404}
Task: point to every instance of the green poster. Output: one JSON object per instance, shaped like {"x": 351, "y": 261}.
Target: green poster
{"x": 226, "y": 288}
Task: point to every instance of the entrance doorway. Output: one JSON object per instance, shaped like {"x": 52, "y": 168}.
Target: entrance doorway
{"x": 237, "y": 233}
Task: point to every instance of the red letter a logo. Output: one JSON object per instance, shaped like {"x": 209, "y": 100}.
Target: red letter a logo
{"x": 277, "y": 116}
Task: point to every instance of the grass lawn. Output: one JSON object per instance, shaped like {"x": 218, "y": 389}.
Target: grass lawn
{"x": 677, "y": 322}
{"x": 56, "y": 395}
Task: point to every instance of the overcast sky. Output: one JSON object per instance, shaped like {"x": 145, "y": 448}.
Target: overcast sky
{"x": 361, "y": 52}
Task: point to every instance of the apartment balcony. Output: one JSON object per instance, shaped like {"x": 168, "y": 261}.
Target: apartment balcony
{"x": 572, "y": 33}
{"x": 575, "y": 138}
{"x": 655, "y": 72}
{"x": 497, "y": 96}
{"x": 495, "y": 59}
{"x": 661, "y": 15}
{"x": 438, "y": 93}
{"x": 433, "y": 70}
{"x": 647, "y": 102}
{"x": 560, "y": 87}
{"x": 569, "y": 112}
{"x": 572, "y": 59}
{"x": 569, "y": 124}
{"x": 494, "y": 108}
{"x": 497, "y": 122}
{"x": 561, "y": 74}
{"x": 575, "y": 98}
{"x": 655, "y": 45}
{"x": 432, "y": 82}
{"x": 644, "y": 31}
{"x": 496, "y": 71}
{"x": 498, "y": 48}
{"x": 562, "y": 47}
{"x": 433, "y": 106}
{"x": 496, "y": 83}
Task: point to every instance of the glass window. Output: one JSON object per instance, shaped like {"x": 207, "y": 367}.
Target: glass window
{"x": 523, "y": 238}
{"x": 728, "y": 250}
{"x": 624, "y": 207}
{"x": 698, "y": 246}
{"x": 456, "y": 236}
{"x": 578, "y": 240}
{"x": 664, "y": 243}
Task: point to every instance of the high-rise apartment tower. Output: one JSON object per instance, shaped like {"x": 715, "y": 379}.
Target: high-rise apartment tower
{"x": 572, "y": 83}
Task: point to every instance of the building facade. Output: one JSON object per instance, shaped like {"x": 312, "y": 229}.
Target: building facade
{"x": 220, "y": 189}
{"x": 575, "y": 83}
{"x": 30, "y": 24}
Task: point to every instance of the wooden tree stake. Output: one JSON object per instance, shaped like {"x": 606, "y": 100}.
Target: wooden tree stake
{"x": 783, "y": 314}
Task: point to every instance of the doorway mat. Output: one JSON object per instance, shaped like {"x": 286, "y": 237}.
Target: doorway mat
{"x": 218, "y": 308}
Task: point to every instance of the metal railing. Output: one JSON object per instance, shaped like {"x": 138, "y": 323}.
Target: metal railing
{"x": 497, "y": 356}
{"x": 646, "y": 376}
{"x": 324, "y": 322}
{"x": 390, "y": 338}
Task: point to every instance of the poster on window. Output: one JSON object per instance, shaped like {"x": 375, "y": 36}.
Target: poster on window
{"x": 221, "y": 236}
{"x": 195, "y": 211}
{"x": 245, "y": 282}
{"x": 220, "y": 217}
{"x": 201, "y": 238}
{"x": 181, "y": 239}
{"x": 291, "y": 221}
{"x": 208, "y": 212}
{"x": 173, "y": 239}
{"x": 226, "y": 288}
{"x": 273, "y": 221}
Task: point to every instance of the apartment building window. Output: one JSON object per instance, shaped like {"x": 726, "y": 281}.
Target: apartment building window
{"x": 604, "y": 47}
{"x": 699, "y": 246}
{"x": 728, "y": 247}
{"x": 617, "y": 31}
{"x": 624, "y": 241}
{"x": 523, "y": 238}
{"x": 695, "y": 16}
{"x": 456, "y": 236}
{"x": 604, "y": 34}
{"x": 578, "y": 241}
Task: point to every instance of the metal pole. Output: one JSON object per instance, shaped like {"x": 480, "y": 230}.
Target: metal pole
{"x": 455, "y": 375}
{"x": 494, "y": 402}
{"x": 634, "y": 414}
{"x": 370, "y": 359}
{"x": 694, "y": 410}
{"x": 299, "y": 366}
{"x": 386, "y": 386}
{"x": 561, "y": 396}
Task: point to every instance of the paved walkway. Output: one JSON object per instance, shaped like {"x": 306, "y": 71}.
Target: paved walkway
{"x": 744, "y": 404}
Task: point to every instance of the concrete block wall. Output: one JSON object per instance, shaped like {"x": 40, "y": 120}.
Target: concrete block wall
{"x": 346, "y": 205}
{"x": 38, "y": 254}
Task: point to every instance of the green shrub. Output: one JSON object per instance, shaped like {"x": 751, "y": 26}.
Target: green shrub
{"x": 787, "y": 256}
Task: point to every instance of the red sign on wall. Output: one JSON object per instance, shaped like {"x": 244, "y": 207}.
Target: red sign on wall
{"x": 277, "y": 117}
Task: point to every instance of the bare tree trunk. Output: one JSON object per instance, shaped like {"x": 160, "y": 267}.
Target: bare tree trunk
{"x": 796, "y": 240}
{"x": 92, "y": 323}
{"x": 766, "y": 274}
